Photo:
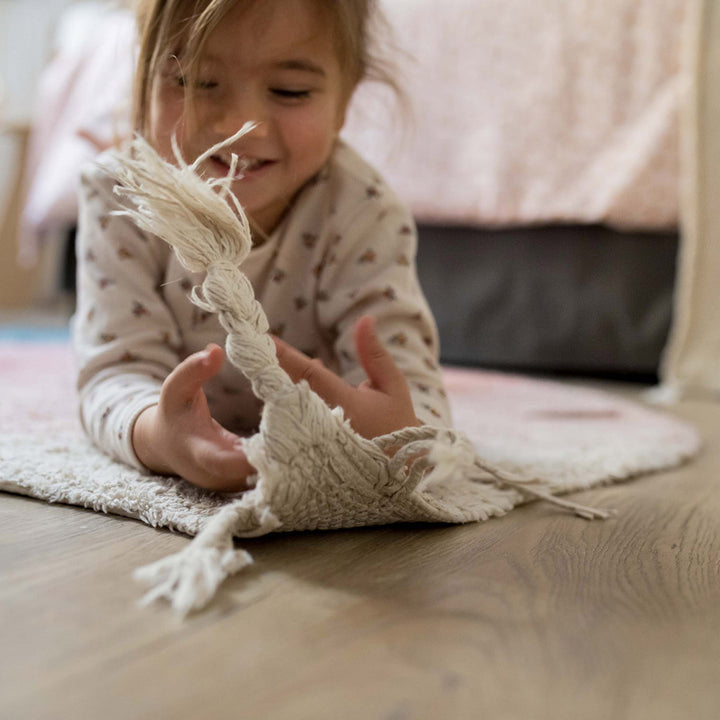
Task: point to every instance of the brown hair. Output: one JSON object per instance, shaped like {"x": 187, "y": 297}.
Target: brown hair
{"x": 165, "y": 26}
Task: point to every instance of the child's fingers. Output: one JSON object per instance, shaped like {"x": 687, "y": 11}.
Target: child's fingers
{"x": 186, "y": 380}
{"x": 331, "y": 388}
{"x": 219, "y": 468}
{"x": 377, "y": 362}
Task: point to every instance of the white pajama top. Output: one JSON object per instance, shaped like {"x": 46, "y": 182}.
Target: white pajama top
{"x": 346, "y": 247}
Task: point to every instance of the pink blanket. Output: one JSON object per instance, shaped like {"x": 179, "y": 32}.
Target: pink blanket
{"x": 534, "y": 111}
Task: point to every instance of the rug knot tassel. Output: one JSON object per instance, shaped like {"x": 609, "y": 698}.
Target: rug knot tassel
{"x": 540, "y": 490}
{"x": 584, "y": 511}
{"x": 190, "y": 578}
{"x": 452, "y": 453}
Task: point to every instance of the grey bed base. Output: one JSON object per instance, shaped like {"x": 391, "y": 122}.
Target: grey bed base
{"x": 561, "y": 299}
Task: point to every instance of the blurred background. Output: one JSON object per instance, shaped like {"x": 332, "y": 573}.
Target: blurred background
{"x": 542, "y": 158}
{"x": 21, "y": 64}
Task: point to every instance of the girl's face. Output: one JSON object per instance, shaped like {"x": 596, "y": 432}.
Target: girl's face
{"x": 274, "y": 64}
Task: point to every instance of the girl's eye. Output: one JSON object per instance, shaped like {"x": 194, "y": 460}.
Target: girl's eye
{"x": 287, "y": 94}
{"x": 200, "y": 84}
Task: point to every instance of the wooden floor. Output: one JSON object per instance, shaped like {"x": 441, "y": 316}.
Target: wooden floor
{"x": 536, "y": 615}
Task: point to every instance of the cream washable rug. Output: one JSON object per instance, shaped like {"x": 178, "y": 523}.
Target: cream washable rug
{"x": 574, "y": 437}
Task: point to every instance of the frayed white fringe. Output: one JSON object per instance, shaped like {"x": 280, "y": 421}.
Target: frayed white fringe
{"x": 190, "y": 578}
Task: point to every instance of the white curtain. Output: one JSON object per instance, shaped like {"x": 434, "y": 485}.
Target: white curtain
{"x": 691, "y": 365}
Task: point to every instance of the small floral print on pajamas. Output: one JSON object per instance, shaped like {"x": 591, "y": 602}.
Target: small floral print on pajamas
{"x": 345, "y": 248}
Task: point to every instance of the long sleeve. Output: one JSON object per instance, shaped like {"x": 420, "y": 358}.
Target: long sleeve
{"x": 125, "y": 337}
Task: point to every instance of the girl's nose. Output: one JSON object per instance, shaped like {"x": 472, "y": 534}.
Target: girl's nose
{"x": 261, "y": 129}
{"x": 234, "y": 111}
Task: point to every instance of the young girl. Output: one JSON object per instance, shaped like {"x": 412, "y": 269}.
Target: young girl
{"x": 333, "y": 250}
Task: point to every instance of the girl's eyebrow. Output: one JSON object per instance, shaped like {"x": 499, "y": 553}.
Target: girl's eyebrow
{"x": 302, "y": 65}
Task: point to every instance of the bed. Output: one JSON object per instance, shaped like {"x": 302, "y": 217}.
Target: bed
{"x": 544, "y": 169}
{"x": 542, "y": 163}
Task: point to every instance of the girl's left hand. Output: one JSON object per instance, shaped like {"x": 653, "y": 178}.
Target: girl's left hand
{"x": 379, "y": 405}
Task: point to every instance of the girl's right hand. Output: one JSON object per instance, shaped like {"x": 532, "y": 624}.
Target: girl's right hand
{"x": 178, "y": 436}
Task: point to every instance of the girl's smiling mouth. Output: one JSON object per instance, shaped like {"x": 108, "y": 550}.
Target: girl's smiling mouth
{"x": 246, "y": 166}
